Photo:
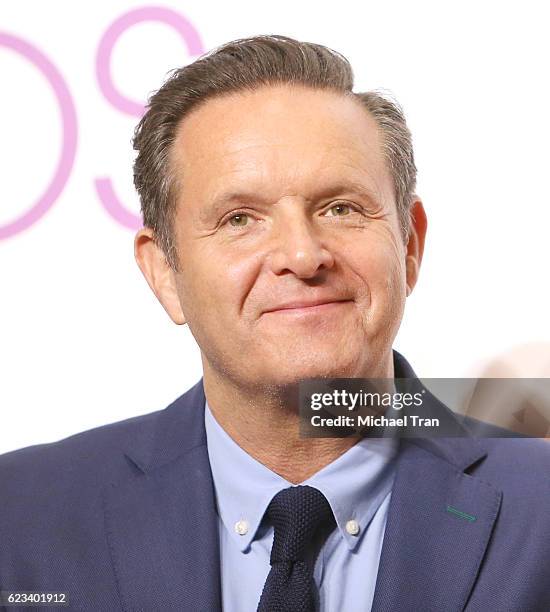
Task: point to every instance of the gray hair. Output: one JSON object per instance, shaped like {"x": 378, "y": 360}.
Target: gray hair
{"x": 242, "y": 65}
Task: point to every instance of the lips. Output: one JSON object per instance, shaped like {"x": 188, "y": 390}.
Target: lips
{"x": 306, "y": 303}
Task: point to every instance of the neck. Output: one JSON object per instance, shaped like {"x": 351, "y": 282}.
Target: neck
{"x": 265, "y": 423}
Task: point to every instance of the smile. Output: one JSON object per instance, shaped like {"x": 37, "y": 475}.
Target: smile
{"x": 314, "y": 309}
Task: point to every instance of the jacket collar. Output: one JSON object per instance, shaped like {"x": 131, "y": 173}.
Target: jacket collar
{"x": 460, "y": 449}
{"x": 178, "y": 429}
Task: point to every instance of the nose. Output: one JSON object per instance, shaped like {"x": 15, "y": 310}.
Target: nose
{"x": 298, "y": 247}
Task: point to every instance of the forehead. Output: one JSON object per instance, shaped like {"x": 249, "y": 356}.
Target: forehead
{"x": 279, "y": 139}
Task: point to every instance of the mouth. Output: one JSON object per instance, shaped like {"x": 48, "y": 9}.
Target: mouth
{"x": 298, "y": 309}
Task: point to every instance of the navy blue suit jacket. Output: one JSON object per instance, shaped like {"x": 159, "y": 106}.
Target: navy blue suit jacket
{"x": 123, "y": 517}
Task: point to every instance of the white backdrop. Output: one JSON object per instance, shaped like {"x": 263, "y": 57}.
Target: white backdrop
{"x": 83, "y": 341}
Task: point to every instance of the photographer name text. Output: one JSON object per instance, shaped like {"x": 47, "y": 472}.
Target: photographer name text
{"x": 373, "y": 421}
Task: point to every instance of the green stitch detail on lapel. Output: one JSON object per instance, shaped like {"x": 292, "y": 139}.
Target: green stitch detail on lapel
{"x": 464, "y": 515}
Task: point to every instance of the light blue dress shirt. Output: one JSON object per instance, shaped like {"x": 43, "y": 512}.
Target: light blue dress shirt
{"x": 358, "y": 487}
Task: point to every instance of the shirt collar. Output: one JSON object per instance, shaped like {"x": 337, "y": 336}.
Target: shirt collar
{"x": 355, "y": 484}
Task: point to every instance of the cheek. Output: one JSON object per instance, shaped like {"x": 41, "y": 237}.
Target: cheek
{"x": 219, "y": 286}
{"x": 382, "y": 271}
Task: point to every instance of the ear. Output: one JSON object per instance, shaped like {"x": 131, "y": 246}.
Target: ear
{"x": 415, "y": 244}
{"x": 158, "y": 274}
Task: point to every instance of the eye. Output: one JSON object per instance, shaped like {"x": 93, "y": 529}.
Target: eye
{"x": 238, "y": 220}
{"x": 340, "y": 210}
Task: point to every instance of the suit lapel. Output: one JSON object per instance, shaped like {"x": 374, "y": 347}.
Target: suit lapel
{"x": 161, "y": 522}
{"x": 439, "y": 523}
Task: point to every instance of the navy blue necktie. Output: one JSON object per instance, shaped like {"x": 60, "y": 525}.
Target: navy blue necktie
{"x": 298, "y": 515}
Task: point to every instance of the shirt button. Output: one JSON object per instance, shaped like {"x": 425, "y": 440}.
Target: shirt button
{"x": 352, "y": 527}
{"x": 241, "y": 527}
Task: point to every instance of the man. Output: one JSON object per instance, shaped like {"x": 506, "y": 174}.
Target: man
{"x": 281, "y": 225}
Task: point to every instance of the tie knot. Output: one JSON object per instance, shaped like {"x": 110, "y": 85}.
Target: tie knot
{"x": 297, "y": 513}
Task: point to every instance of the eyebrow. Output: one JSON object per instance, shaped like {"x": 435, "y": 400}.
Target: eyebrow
{"x": 340, "y": 187}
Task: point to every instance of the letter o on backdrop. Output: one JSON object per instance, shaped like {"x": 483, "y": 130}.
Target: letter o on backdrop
{"x": 69, "y": 123}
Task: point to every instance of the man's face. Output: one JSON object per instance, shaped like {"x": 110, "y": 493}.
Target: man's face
{"x": 292, "y": 263}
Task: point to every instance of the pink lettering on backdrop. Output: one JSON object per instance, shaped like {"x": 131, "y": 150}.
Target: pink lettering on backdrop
{"x": 104, "y": 186}
{"x": 68, "y": 147}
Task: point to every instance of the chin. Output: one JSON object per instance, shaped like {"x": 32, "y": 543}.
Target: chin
{"x": 292, "y": 373}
